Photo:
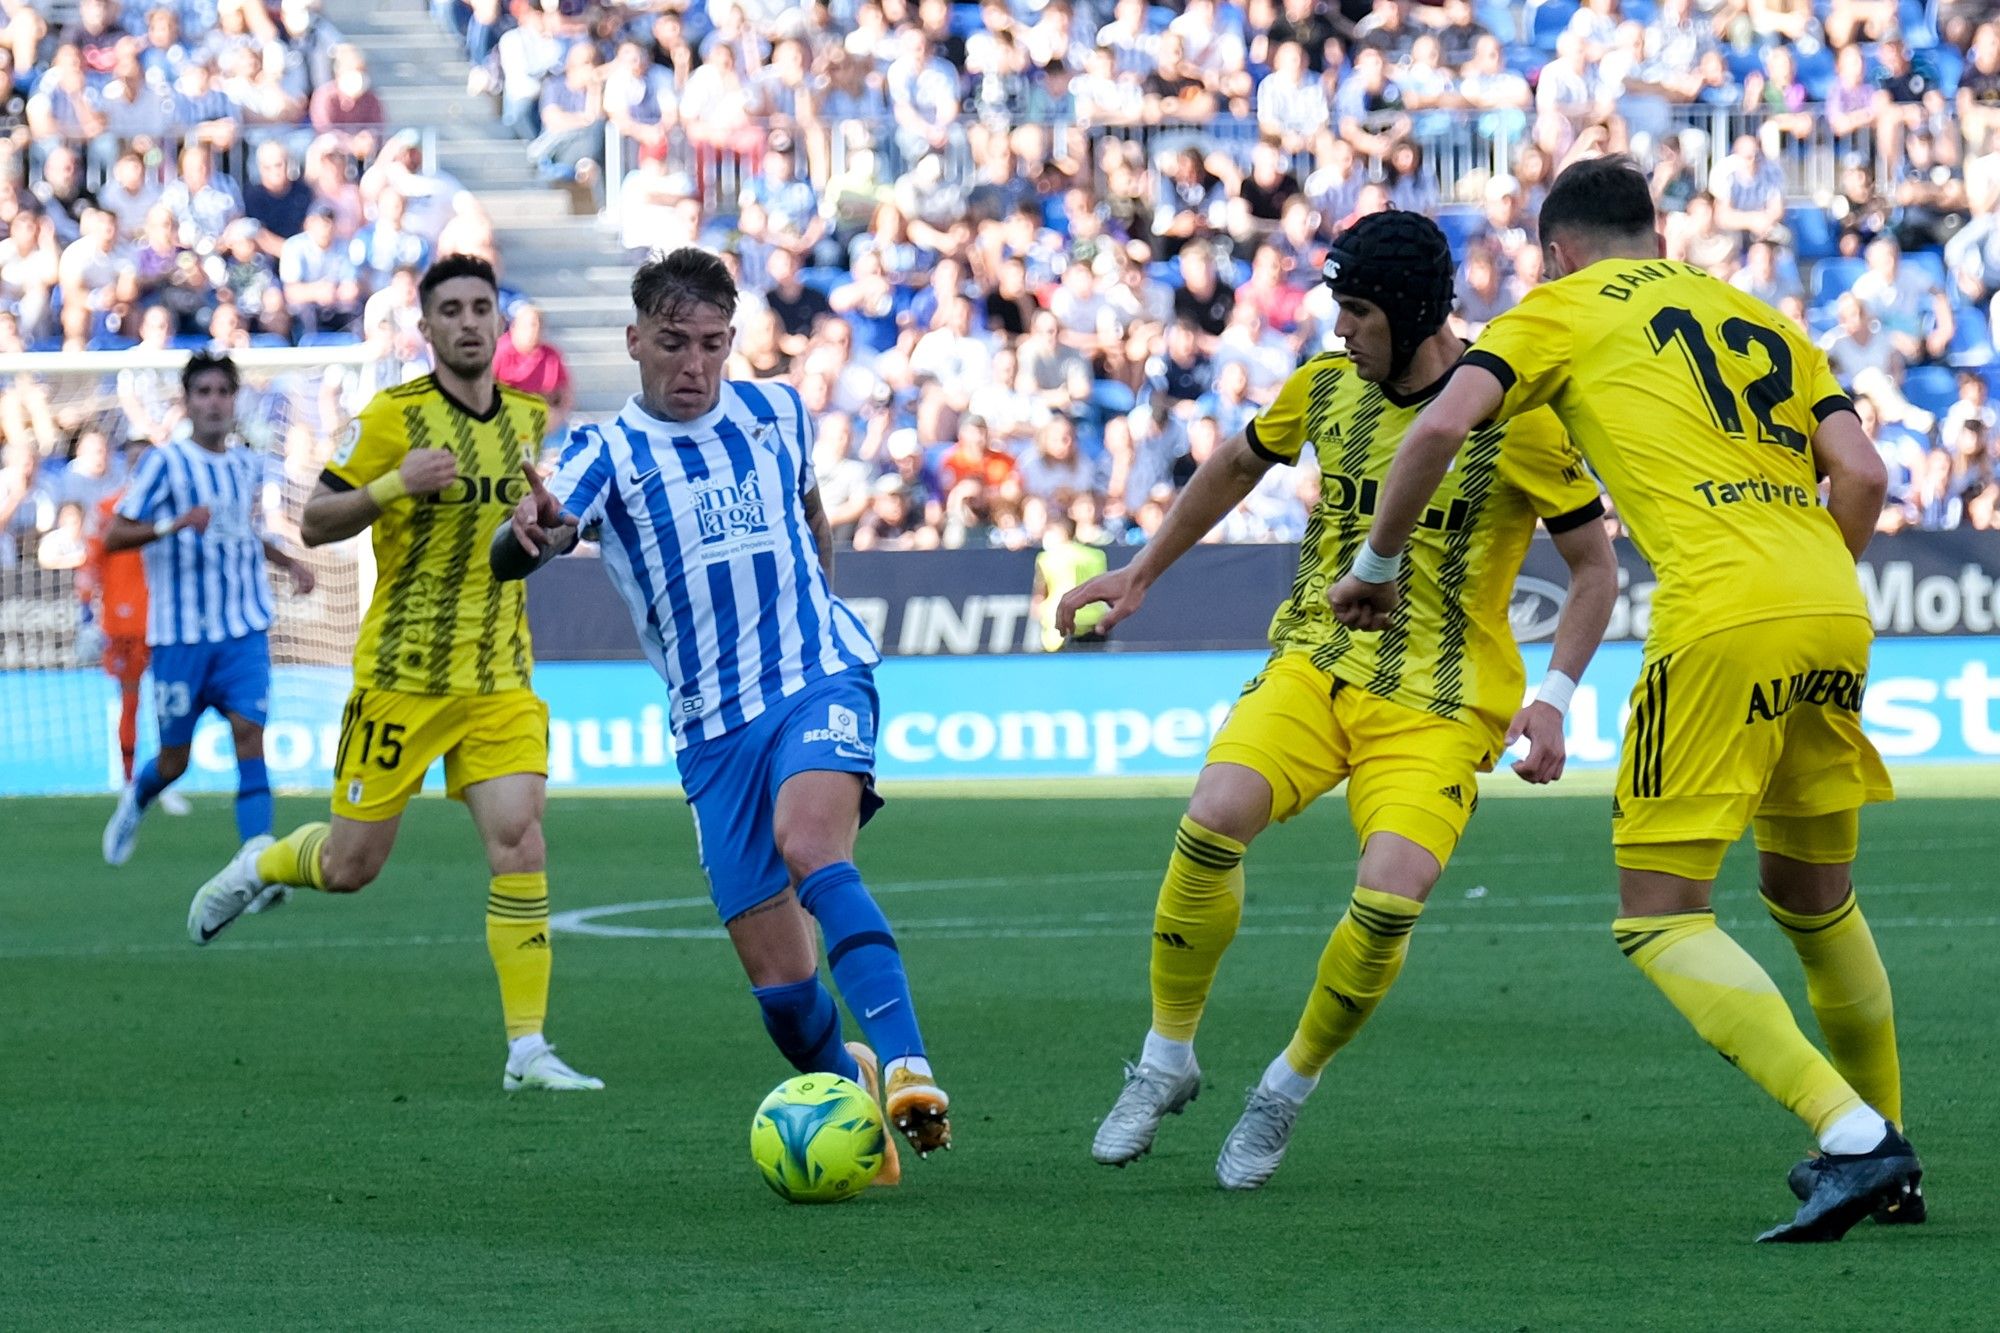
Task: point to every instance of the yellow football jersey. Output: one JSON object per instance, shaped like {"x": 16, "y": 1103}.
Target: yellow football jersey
{"x": 1450, "y": 648}
{"x": 440, "y": 623}
{"x": 1695, "y": 405}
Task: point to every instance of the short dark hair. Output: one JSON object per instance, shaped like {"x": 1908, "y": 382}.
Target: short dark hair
{"x": 455, "y": 266}
{"x": 671, "y": 281}
{"x": 203, "y": 363}
{"x": 1601, "y": 196}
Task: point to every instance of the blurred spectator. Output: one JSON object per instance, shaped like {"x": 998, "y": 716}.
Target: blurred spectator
{"x": 1907, "y": 302}
{"x": 1764, "y": 278}
{"x": 274, "y": 201}
{"x": 129, "y": 195}
{"x": 385, "y": 244}
{"x": 202, "y": 203}
{"x": 62, "y": 193}
{"x": 347, "y": 101}
{"x": 527, "y": 54}
{"x": 320, "y": 283}
{"x": 523, "y": 360}
{"x": 572, "y": 113}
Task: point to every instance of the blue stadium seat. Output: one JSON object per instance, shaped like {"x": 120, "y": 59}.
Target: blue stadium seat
{"x": 1639, "y": 11}
{"x": 1548, "y": 21}
{"x": 1112, "y": 396}
{"x": 1991, "y": 374}
{"x": 822, "y": 279}
{"x": 1933, "y": 388}
{"x": 1930, "y": 263}
{"x": 1919, "y": 24}
{"x": 188, "y": 342}
{"x": 1742, "y": 64}
{"x": 1813, "y": 232}
{"x": 329, "y": 340}
{"x": 1831, "y": 277}
{"x": 1971, "y": 342}
{"x": 965, "y": 21}
{"x": 1158, "y": 17}
{"x": 1458, "y": 225}
{"x": 1816, "y": 72}
{"x": 1950, "y": 68}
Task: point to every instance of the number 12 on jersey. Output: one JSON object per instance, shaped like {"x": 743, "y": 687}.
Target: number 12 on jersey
{"x": 1763, "y": 396}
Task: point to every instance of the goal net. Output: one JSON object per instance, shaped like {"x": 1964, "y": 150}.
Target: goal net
{"x": 73, "y": 425}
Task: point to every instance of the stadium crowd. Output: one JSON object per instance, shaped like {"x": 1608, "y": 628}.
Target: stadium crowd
{"x": 1020, "y": 259}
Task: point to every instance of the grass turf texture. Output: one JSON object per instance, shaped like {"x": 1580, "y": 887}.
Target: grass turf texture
{"x": 302, "y": 1125}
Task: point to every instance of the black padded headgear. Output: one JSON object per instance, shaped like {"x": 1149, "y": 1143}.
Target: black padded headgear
{"x": 1402, "y": 263}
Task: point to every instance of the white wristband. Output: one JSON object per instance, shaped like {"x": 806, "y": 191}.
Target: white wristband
{"x": 163, "y": 527}
{"x": 1556, "y": 691}
{"x": 1370, "y": 566}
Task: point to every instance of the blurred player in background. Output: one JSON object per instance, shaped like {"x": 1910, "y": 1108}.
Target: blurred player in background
{"x": 194, "y": 504}
{"x": 1711, "y": 419}
{"x": 113, "y": 589}
{"x": 714, "y": 536}
{"x": 442, "y": 665}
{"x": 1408, "y": 717}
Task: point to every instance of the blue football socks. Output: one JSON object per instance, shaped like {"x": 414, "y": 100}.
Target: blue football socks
{"x": 861, "y": 954}
{"x": 804, "y": 1022}
{"x": 253, "y": 799}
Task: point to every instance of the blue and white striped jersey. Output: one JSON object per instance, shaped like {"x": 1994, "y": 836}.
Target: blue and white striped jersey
{"x": 704, "y": 534}
{"x": 202, "y": 587}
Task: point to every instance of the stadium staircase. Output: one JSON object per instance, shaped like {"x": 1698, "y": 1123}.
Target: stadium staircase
{"x": 563, "y": 262}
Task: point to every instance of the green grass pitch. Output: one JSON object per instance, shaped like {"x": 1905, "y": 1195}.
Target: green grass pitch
{"x": 302, "y": 1127}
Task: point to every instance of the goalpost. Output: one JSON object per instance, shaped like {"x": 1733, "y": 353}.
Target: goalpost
{"x": 59, "y": 705}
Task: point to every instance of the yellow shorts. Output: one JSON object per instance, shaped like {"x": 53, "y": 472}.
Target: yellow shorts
{"x": 1409, "y": 773}
{"x": 389, "y": 740}
{"x": 1761, "y": 722}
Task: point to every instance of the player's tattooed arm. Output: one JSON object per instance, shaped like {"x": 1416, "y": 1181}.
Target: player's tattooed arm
{"x": 535, "y": 533}
{"x": 822, "y": 530}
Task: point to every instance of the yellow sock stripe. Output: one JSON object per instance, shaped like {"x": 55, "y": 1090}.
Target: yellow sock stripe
{"x": 309, "y": 850}
{"x": 514, "y": 910}
{"x": 1383, "y": 914}
{"x": 1204, "y": 848}
{"x": 1636, "y": 932}
{"x": 1801, "y": 923}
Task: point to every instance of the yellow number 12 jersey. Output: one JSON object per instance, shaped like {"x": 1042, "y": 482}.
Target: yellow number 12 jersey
{"x": 1450, "y": 648}
{"x": 1695, "y": 404}
{"x": 439, "y": 622}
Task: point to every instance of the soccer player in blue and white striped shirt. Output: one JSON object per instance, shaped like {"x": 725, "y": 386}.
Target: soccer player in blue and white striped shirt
{"x": 194, "y": 504}
{"x": 713, "y": 533}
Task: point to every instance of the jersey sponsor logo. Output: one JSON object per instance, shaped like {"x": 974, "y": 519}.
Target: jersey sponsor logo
{"x": 1352, "y": 495}
{"x": 504, "y": 490}
{"x": 1759, "y": 489}
{"x": 732, "y": 518}
{"x": 1820, "y": 687}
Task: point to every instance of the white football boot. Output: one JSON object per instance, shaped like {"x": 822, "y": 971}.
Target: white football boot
{"x": 174, "y": 803}
{"x": 121, "y": 834}
{"x": 1254, "y": 1148}
{"x": 540, "y": 1069}
{"x": 1150, "y": 1095}
{"x": 230, "y": 893}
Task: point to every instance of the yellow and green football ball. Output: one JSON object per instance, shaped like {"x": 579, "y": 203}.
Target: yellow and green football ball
{"x": 818, "y": 1138}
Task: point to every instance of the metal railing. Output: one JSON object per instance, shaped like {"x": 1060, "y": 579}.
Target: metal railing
{"x": 1460, "y": 148}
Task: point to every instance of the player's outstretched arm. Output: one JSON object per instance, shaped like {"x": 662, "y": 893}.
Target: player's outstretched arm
{"x": 334, "y": 512}
{"x": 127, "y": 534}
{"x": 1216, "y": 488}
{"x": 1857, "y": 478}
{"x": 1366, "y": 595}
{"x": 535, "y": 533}
{"x": 1593, "y": 590}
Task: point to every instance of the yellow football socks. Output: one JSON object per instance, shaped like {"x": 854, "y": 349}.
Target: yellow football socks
{"x": 1849, "y": 994}
{"x": 1359, "y": 965}
{"x": 517, "y": 935}
{"x": 1200, "y": 904}
{"x": 1732, "y": 1003}
{"x": 294, "y": 858}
